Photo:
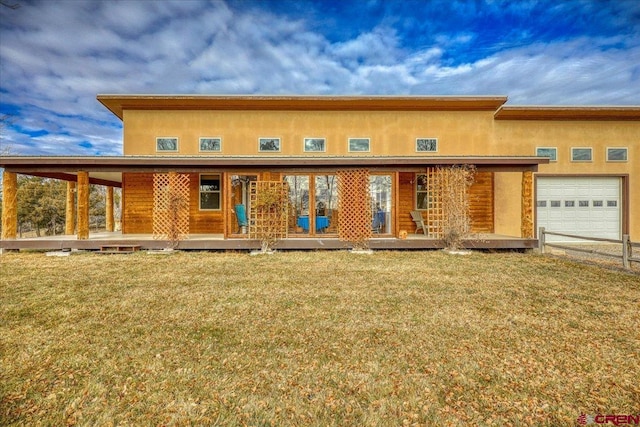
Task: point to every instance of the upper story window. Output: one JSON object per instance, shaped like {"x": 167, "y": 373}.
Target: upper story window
{"x": 617, "y": 154}
{"x": 314, "y": 145}
{"x": 550, "y": 152}
{"x": 579, "y": 154}
{"x": 359, "y": 145}
{"x": 210, "y": 191}
{"x": 209, "y": 144}
{"x": 167, "y": 144}
{"x": 426, "y": 145}
{"x": 269, "y": 145}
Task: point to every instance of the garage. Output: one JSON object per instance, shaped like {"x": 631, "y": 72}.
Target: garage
{"x": 585, "y": 206}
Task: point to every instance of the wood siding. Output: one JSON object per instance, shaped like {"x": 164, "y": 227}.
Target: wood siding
{"x": 137, "y": 211}
{"x": 480, "y": 201}
{"x": 205, "y": 222}
{"x": 406, "y": 201}
{"x": 137, "y": 203}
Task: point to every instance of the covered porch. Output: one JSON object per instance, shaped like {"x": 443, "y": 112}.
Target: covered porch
{"x": 218, "y": 229}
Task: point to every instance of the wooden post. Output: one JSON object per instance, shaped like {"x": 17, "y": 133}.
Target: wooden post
{"x": 83, "y": 205}
{"x": 526, "y": 228}
{"x": 70, "y": 212}
{"x": 9, "y": 205}
{"x": 541, "y": 239}
{"x": 109, "y": 209}
{"x": 626, "y": 251}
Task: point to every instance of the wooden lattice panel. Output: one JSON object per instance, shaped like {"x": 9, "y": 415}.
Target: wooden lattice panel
{"x": 448, "y": 200}
{"x": 170, "y": 206}
{"x": 435, "y": 213}
{"x": 354, "y": 216}
{"x": 269, "y": 214}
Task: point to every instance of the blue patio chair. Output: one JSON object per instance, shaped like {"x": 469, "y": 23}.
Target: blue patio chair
{"x": 241, "y": 216}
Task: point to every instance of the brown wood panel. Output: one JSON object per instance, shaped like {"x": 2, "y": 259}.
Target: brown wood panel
{"x": 137, "y": 203}
{"x": 138, "y": 206}
{"x": 406, "y": 202}
{"x": 204, "y": 222}
{"x": 481, "y": 203}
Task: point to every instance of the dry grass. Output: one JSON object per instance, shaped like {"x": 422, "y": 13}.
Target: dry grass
{"x": 317, "y": 338}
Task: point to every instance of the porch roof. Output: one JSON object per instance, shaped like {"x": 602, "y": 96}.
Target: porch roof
{"x": 118, "y": 103}
{"x": 107, "y": 170}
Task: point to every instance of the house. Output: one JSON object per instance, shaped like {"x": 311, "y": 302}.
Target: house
{"x": 569, "y": 169}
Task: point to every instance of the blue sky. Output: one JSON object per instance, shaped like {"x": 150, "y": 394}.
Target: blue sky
{"x": 56, "y": 56}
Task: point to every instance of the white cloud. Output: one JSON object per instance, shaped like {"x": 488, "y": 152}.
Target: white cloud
{"x": 52, "y": 69}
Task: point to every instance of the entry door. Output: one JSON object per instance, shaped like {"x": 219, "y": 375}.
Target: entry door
{"x": 585, "y": 206}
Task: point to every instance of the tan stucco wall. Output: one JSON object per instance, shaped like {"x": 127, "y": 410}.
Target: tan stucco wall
{"x": 393, "y": 133}
{"x": 522, "y": 137}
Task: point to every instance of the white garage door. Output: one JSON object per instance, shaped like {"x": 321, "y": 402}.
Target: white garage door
{"x": 585, "y": 206}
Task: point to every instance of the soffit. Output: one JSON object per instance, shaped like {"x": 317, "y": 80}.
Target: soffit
{"x": 622, "y": 113}
{"x": 118, "y": 103}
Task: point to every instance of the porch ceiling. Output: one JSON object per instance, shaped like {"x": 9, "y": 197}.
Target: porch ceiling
{"x": 118, "y": 103}
{"x": 111, "y": 168}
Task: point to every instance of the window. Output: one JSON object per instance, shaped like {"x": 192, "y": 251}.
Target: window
{"x": 314, "y": 145}
{"x": 581, "y": 154}
{"x": 583, "y": 203}
{"x": 211, "y": 144}
{"x": 569, "y": 204}
{"x": 612, "y": 203}
{"x": 550, "y": 152}
{"x": 362, "y": 145}
{"x": 555, "y": 203}
{"x": 597, "y": 203}
{"x": 209, "y": 192}
{"x": 616, "y": 154}
{"x": 166, "y": 144}
{"x": 266, "y": 145}
{"x": 426, "y": 145}
{"x": 542, "y": 203}
{"x": 422, "y": 192}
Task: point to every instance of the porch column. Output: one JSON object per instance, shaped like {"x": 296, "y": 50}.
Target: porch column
{"x": 9, "y": 205}
{"x": 83, "y": 205}
{"x": 70, "y": 211}
{"x": 526, "y": 228}
{"x": 109, "y": 209}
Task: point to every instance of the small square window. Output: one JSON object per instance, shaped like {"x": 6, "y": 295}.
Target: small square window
{"x": 550, "y": 152}
{"x": 361, "y": 145}
{"x": 617, "y": 154}
{"x": 569, "y": 203}
{"x": 612, "y": 203}
{"x": 315, "y": 145}
{"x": 597, "y": 203}
{"x": 426, "y": 145}
{"x": 542, "y": 203}
{"x": 166, "y": 144}
{"x": 581, "y": 154}
{"x": 267, "y": 145}
{"x": 583, "y": 203}
{"x": 211, "y": 144}
{"x": 555, "y": 203}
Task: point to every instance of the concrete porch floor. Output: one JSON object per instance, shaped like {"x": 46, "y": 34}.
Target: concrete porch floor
{"x": 218, "y": 242}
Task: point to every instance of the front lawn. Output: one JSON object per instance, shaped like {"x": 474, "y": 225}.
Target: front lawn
{"x": 315, "y": 338}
